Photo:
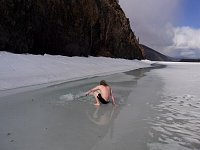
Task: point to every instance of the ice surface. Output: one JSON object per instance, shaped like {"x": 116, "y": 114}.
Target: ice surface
{"x": 179, "y": 107}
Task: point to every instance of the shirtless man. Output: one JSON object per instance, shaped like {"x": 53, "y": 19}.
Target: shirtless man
{"x": 102, "y": 93}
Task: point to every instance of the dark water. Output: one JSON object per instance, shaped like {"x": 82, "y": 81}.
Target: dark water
{"x": 151, "y": 115}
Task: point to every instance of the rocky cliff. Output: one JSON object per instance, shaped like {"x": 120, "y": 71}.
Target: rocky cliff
{"x": 67, "y": 27}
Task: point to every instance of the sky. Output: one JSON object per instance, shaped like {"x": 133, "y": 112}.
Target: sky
{"x": 171, "y": 27}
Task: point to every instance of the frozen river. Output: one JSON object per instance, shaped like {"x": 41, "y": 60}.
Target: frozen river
{"x": 159, "y": 109}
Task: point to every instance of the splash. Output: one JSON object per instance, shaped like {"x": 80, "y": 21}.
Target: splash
{"x": 71, "y": 97}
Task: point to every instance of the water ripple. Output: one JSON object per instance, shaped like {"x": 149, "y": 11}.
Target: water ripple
{"x": 177, "y": 123}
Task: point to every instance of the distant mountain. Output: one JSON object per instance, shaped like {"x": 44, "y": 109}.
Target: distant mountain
{"x": 153, "y": 55}
{"x": 189, "y": 60}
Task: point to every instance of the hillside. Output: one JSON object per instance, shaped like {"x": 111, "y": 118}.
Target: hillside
{"x": 72, "y": 28}
{"x": 153, "y": 55}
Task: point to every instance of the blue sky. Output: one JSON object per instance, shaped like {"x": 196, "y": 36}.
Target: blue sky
{"x": 171, "y": 27}
{"x": 190, "y": 13}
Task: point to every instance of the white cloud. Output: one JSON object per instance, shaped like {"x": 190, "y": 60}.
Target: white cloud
{"x": 186, "y": 43}
{"x": 186, "y": 38}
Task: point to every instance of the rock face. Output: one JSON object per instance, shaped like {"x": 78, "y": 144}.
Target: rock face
{"x": 67, "y": 27}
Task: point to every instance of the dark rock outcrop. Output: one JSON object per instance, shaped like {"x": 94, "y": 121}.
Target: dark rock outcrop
{"x": 67, "y": 27}
{"x": 153, "y": 55}
{"x": 189, "y": 60}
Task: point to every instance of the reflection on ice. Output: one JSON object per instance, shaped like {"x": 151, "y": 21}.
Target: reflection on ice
{"x": 101, "y": 115}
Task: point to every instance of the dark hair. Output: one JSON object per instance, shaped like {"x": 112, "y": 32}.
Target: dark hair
{"x": 103, "y": 82}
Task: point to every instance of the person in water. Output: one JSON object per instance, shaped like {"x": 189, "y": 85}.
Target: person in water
{"x": 102, "y": 93}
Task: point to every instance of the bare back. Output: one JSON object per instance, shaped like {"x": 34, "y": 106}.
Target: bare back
{"x": 105, "y": 91}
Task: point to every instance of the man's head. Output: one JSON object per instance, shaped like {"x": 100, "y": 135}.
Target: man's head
{"x": 103, "y": 82}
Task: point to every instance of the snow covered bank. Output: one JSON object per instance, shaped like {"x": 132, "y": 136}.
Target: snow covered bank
{"x": 25, "y": 70}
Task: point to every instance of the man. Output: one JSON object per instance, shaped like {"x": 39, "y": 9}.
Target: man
{"x": 102, "y": 93}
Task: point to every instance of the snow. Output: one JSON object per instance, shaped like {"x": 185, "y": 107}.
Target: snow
{"x": 21, "y": 70}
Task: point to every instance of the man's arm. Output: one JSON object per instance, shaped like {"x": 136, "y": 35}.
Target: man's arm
{"x": 113, "y": 98}
{"x": 92, "y": 90}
